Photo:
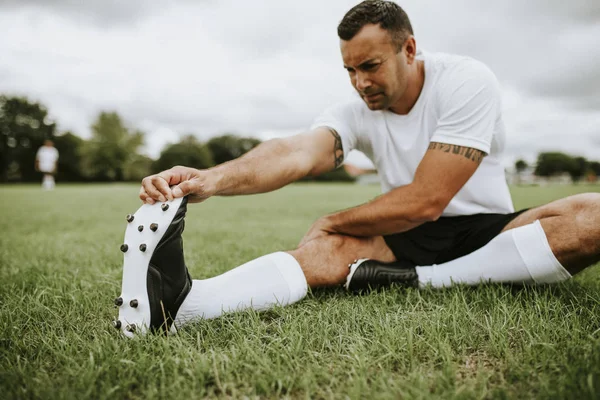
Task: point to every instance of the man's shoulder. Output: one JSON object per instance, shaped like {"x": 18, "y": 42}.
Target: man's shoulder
{"x": 354, "y": 108}
{"x": 355, "y": 104}
{"x": 450, "y": 67}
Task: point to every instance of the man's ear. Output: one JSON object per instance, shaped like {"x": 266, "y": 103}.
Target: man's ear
{"x": 410, "y": 49}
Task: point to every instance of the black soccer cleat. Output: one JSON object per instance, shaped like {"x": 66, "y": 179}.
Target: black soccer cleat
{"x": 368, "y": 274}
{"x": 155, "y": 277}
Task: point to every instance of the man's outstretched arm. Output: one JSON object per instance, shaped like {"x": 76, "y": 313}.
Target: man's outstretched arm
{"x": 441, "y": 174}
{"x": 269, "y": 166}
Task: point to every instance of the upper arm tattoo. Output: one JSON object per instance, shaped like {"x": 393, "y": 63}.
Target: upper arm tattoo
{"x": 467, "y": 152}
{"x": 338, "y": 150}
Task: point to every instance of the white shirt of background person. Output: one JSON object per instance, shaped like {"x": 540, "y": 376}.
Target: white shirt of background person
{"x": 46, "y": 159}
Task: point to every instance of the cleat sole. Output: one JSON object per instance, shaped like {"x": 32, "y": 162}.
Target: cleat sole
{"x": 136, "y": 262}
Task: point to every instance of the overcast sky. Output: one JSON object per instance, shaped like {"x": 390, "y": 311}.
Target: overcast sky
{"x": 267, "y": 68}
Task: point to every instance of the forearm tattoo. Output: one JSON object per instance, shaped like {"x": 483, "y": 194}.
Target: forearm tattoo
{"x": 467, "y": 152}
{"x": 338, "y": 150}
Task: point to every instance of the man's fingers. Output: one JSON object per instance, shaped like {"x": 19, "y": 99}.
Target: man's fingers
{"x": 183, "y": 189}
{"x": 161, "y": 182}
{"x": 144, "y": 196}
{"x": 148, "y": 184}
{"x": 158, "y": 187}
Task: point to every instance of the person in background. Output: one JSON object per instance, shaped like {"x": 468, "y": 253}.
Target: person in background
{"x": 46, "y": 161}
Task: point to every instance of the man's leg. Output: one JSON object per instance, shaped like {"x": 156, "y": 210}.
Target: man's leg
{"x": 279, "y": 278}
{"x": 157, "y": 289}
{"x": 572, "y": 228}
{"x": 543, "y": 245}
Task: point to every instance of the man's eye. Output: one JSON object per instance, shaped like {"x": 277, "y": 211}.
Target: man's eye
{"x": 369, "y": 66}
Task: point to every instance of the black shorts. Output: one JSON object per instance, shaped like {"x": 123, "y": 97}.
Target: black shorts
{"x": 447, "y": 238}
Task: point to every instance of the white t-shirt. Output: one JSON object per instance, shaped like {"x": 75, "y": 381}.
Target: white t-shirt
{"x": 460, "y": 104}
{"x": 47, "y": 158}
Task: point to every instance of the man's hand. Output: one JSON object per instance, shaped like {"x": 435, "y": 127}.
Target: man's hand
{"x": 198, "y": 184}
{"x": 320, "y": 228}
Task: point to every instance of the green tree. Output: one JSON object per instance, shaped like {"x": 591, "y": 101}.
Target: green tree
{"x": 554, "y": 163}
{"x": 23, "y": 128}
{"x": 70, "y": 149}
{"x": 111, "y": 149}
{"x": 228, "y": 147}
{"x": 188, "y": 152}
{"x": 579, "y": 168}
{"x": 138, "y": 168}
{"x": 520, "y": 166}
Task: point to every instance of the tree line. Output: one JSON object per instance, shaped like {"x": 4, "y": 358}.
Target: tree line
{"x": 112, "y": 154}
{"x": 555, "y": 163}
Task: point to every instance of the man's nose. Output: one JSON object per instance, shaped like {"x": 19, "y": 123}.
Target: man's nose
{"x": 362, "y": 81}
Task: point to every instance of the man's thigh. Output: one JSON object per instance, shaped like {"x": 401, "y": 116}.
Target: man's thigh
{"x": 579, "y": 205}
{"x": 325, "y": 260}
{"x": 572, "y": 228}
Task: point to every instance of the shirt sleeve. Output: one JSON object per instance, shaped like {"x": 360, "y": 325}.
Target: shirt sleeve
{"x": 343, "y": 119}
{"x": 469, "y": 104}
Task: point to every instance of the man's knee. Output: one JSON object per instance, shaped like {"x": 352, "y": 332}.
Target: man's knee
{"x": 588, "y": 203}
{"x": 586, "y": 212}
{"x": 325, "y": 260}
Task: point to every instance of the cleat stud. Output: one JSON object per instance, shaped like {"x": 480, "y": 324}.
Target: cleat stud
{"x": 350, "y": 265}
{"x": 130, "y": 328}
{"x": 117, "y": 324}
{"x": 130, "y": 218}
{"x": 153, "y": 227}
{"x": 119, "y": 301}
{"x": 141, "y": 228}
{"x": 124, "y": 247}
{"x": 142, "y": 247}
{"x": 164, "y": 207}
{"x": 133, "y": 303}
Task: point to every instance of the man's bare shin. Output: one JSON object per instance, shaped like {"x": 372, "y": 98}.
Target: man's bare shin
{"x": 325, "y": 260}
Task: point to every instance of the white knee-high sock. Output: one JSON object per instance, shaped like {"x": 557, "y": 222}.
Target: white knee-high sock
{"x": 520, "y": 255}
{"x": 274, "y": 279}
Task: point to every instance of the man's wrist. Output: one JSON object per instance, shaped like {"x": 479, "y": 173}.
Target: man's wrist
{"x": 214, "y": 181}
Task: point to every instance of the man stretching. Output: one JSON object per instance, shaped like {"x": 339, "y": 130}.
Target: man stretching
{"x": 432, "y": 125}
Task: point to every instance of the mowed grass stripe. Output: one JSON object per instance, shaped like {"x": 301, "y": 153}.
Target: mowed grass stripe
{"x": 60, "y": 269}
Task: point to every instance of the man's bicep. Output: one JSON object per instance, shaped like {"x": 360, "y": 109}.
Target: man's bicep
{"x": 445, "y": 169}
{"x": 469, "y": 153}
{"x": 323, "y": 148}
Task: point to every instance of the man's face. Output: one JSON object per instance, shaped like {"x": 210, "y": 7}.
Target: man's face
{"x": 378, "y": 71}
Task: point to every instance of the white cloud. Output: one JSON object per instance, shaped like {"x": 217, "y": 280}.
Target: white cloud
{"x": 269, "y": 67}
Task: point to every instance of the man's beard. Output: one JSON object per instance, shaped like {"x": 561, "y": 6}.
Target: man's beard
{"x": 378, "y": 103}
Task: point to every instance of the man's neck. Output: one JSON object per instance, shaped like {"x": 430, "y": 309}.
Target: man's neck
{"x": 413, "y": 90}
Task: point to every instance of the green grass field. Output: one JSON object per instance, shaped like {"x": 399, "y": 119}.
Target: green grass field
{"x": 60, "y": 268}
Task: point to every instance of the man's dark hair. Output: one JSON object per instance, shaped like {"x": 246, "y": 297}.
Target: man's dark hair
{"x": 388, "y": 15}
